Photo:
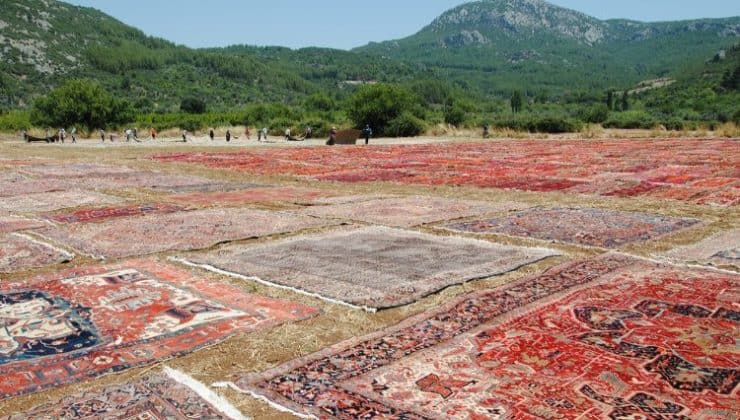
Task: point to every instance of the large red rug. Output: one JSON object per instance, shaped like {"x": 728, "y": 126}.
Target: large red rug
{"x": 698, "y": 171}
{"x": 78, "y": 324}
{"x": 610, "y": 337}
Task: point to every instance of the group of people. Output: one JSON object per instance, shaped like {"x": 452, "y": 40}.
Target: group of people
{"x": 128, "y": 134}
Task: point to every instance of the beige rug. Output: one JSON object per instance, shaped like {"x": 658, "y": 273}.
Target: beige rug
{"x": 50, "y": 201}
{"x": 720, "y": 250}
{"x": 410, "y": 211}
{"x": 370, "y": 267}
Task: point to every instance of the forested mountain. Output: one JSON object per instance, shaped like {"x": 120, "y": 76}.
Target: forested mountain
{"x": 483, "y": 50}
{"x": 497, "y": 45}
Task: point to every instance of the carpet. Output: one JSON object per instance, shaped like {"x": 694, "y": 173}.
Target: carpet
{"x": 587, "y": 226}
{"x": 721, "y": 250}
{"x": 19, "y": 252}
{"x": 50, "y": 201}
{"x": 610, "y": 337}
{"x": 82, "y": 323}
{"x": 16, "y": 223}
{"x": 182, "y": 231}
{"x": 105, "y": 213}
{"x": 142, "y": 179}
{"x": 622, "y": 168}
{"x": 371, "y": 267}
{"x": 254, "y": 195}
{"x": 23, "y": 186}
{"x": 205, "y": 187}
{"x": 158, "y": 396}
{"x": 74, "y": 169}
{"x": 410, "y": 211}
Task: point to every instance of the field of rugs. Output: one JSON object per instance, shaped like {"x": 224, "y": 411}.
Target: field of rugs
{"x": 550, "y": 279}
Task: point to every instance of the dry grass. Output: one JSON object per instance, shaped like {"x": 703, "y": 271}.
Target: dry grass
{"x": 259, "y": 351}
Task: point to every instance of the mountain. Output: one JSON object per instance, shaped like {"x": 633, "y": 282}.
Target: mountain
{"x": 495, "y": 44}
{"x": 484, "y": 49}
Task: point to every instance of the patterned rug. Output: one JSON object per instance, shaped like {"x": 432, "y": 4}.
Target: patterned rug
{"x": 23, "y": 186}
{"x": 182, "y": 231}
{"x": 50, "y": 201}
{"x": 153, "y": 397}
{"x": 255, "y": 195}
{"x": 105, "y": 213}
{"x": 15, "y": 223}
{"x": 611, "y": 337}
{"x": 592, "y": 227}
{"x": 410, "y": 211}
{"x": 82, "y": 323}
{"x": 206, "y": 187}
{"x": 692, "y": 170}
{"x": 74, "y": 169}
{"x": 722, "y": 250}
{"x": 19, "y": 252}
{"x": 371, "y": 267}
{"x": 141, "y": 180}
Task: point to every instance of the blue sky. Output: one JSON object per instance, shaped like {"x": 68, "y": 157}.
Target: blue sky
{"x": 345, "y": 23}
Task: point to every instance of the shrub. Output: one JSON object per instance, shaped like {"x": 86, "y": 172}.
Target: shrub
{"x": 15, "y": 121}
{"x": 454, "y": 114}
{"x": 630, "y": 119}
{"x": 379, "y": 105}
{"x": 405, "y": 125}
{"x": 193, "y": 105}
{"x": 596, "y": 114}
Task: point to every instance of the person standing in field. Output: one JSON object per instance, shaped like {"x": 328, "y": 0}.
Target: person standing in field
{"x": 184, "y": 136}
{"x": 153, "y": 133}
{"x": 367, "y": 132}
{"x": 211, "y": 134}
{"x": 287, "y": 134}
{"x": 485, "y": 131}
{"x": 62, "y": 134}
{"x": 264, "y": 133}
{"x": 309, "y": 132}
{"x": 73, "y": 134}
{"x": 332, "y": 136}
{"x": 228, "y": 136}
{"x": 247, "y": 132}
{"x": 102, "y": 135}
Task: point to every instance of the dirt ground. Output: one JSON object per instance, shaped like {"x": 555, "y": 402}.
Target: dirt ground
{"x": 259, "y": 351}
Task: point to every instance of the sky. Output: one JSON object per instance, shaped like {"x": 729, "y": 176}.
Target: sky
{"x": 345, "y": 24}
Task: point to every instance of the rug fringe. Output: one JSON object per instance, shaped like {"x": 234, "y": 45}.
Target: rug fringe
{"x": 262, "y": 398}
{"x": 202, "y": 390}
{"x": 269, "y": 284}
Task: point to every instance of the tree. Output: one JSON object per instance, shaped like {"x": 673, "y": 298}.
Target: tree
{"x": 625, "y": 101}
{"x": 193, "y": 105}
{"x": 378, "y": 105}
{"x": 610, "y": 100}
{"x": 516, "y": 102}
{"x": 454, "y": 113}
{"x": 80, "y": 102}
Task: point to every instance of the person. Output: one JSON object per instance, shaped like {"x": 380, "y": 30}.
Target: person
{"x": 128, "y": 133}
{"x": 184, "y": 136}
{"x": 264, "y": 133}
{"x": 25, "y": 134}
{"x": 153, "y": 133}
{"x": 211, "y": 134}
{"x": 485, "y": 131}
{"x": 309, "y": 132}
{"x": 367, "y": 132}
{"x": 73, "y": 134}
{"x": 136, "y": 134}
{"x": 228, "y": 136}
{"x": 48, "y": 137}
{"x": 62, "y": 134}
{"x": 102, "y": 135}
{"x": 332, "y": 136}
{"x": 247, "y": 133}
{"x": 287, "y": 134}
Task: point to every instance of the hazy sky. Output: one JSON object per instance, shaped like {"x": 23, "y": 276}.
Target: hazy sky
{"x": 345, "y": 23}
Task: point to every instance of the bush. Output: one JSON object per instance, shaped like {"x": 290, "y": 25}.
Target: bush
{"x": 319, "y": 102}
{"x": 379, "y": 105}
{"x": 630, "y": 119}
{"x": 541, "y": 124}
{"x": 454, "y": 114}
{"x": 596, "y": 114}
{"x": 405, "y": 125}
{"x": 15, "y": 121}
{"x": 193, "y": 105}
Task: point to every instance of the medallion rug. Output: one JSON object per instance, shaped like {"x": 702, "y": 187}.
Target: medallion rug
{"x": 584, "y": 226}
{"x": 187, "y": 230}
{"x": 610, "y": 337}
{"x": 721, "y": 249}
{"x": 50, "y": 201}
{"x": 15, "y": 223}
{"x": 105, "y": 213}
{"x": 371, "y": 267}
{"x": 154, "y": 397}
{"x": 19, "y": 252}
{"x": 82, "y": 323}
{"x": 410, "y": 211}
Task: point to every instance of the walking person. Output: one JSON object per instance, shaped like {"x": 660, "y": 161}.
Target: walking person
{"x": 264, "y": 133}
{"x": 485, "y": 131}
{"x": 228, "y": 136}
{"x": 367, "y": 132}
{"x": 211, "y": 134}
{"x": 102, "y": 135}
{"x": 153, "y": 133}
{"x": 332, "y": 136}
{"x": 62, "y": 134}
{"x": 184, "y": 136}
{"x": 247, "y": 132}
{"x": 128, "y": 133}
{"x": 287, "y": 134}
{"x": 73, "y": 134}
